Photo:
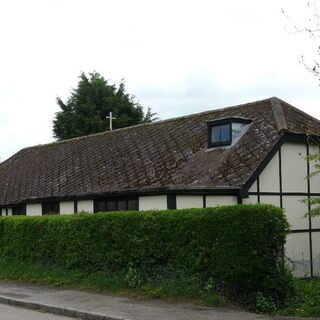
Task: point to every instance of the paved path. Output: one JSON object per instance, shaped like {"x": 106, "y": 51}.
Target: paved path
{"x": 98, "y": 306}
{"x": 15, "y": 313}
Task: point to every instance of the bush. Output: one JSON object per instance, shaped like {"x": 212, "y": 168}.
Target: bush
{"x": 304, "y": 299}
{"x": 265, "y": 304}
{"x": 236, "y": 249}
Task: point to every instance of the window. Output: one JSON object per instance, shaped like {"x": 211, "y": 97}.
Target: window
{"x": 220, "y": 135}
{"x": 225, "y": 131}
{"x": 51, "y": 207}
{"x": 133, "y": 204}
{"x": 122, "y": 205}
{"x": 116, "y": 204}
{"x": 111, "y": 205}
{"x": 19, "y": 211}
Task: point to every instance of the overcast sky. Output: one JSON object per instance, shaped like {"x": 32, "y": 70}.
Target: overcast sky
{"x": 178, "y": 57}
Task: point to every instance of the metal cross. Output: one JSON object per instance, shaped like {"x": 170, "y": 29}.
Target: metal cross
{"x": 110, "y": 119}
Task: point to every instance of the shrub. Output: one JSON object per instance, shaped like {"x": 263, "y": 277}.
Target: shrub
{"x": 265, "y": 304}
{"x": 304, "y": 299}
{"x": 132, "y": 278}
{"x": 236, "y": 249}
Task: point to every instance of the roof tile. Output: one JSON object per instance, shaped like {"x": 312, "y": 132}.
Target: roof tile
{"x": 168, "y": 153}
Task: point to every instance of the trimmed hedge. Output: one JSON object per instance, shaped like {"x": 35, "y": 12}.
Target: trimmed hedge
{"x": 238, "y": 249}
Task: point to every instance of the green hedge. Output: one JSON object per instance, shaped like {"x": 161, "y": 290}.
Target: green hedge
{"x": 238, "y": 249}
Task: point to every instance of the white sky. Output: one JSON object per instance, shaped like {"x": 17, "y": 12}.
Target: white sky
{"x": 178, "y": 57}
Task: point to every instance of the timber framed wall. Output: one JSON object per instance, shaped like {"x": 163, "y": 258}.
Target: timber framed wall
{"x": 281, "y": 180}
{"x": 285, "y": 183}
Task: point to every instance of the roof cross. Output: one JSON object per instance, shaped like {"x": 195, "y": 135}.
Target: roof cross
{"x": 110, "y": 119}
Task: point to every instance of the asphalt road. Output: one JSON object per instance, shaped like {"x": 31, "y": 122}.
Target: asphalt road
{"x": 14, "y": 313}
{"x": 112, "y": 307}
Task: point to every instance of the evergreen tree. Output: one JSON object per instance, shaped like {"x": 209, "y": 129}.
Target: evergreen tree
{"x": 86, "y": 109}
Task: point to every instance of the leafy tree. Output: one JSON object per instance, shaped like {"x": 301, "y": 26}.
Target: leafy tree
{"x": 314, "y": 159}
{"x": 311, "y": 28}
{"x": 86, "y": 109}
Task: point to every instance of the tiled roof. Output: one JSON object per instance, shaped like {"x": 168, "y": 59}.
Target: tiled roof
{"x": 166, "y": 154}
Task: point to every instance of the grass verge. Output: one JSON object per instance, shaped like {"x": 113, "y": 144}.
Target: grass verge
{"x": 127, "y": 284}
{"x": 304, "y": 300}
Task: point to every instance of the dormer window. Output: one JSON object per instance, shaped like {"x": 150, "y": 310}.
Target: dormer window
{"x": 221, "y": 135}
{"x": 226, "y": 131}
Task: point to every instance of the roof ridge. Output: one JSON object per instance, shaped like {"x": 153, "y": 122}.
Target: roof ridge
{"x": 6, "y": 160}
{"x": 278, "y": 114}
{"x": 147, "y": 124}
{"x": 171, "y": 152}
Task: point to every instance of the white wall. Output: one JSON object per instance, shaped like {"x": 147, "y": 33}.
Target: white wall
{"x": 295, "y": 210}
{"x": 153, "y": 202}
{"x": 298, "y": 252}
{"x": 213, "y": 201}
{"x": 4, "y": 212}
{"x": 294, "y": 168}
{"x": 269, "y": 179}
{"x": 315, "y": 180}
{"x": 34, "y": 209}
{"x": 316, "y": 252}
{"x": 315, "y": 222}
{"x": 66, "y": 207}
{"x": 189, "y": 201}
{"x": 85, "y": 205}
{"x": 252, "y": 199}
{"x": 269, "y": 199}
{"x": 253, "y": 188}
{"x": 294, "y": 173}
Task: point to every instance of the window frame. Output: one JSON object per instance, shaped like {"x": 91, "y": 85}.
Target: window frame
{"x": 220, "y": 122}
{"x": 228, "y": 142}
{"x": 45, "y": 205}
{"x": 19, "y": 210}
{"x": 116, "y": 201}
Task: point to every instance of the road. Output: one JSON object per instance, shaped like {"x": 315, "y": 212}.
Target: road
{"x": 14, "y": 313}
{"x": 112, "y": 307}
